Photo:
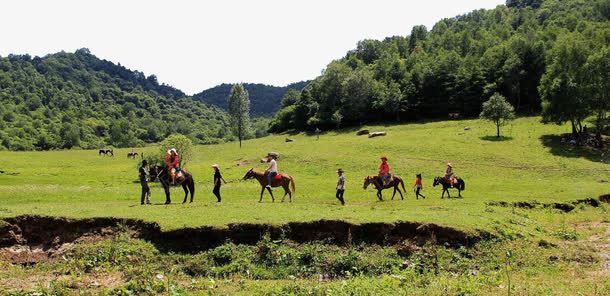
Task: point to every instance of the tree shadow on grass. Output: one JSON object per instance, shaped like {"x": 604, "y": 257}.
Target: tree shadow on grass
{"x": 553, "y": 142}
{"x": 496, "y": 139}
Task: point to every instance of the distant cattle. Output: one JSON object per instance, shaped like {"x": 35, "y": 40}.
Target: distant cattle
{"x": 376, "y": 134}
{"x": 132, "y": 154}
{"x": 288, "y": 140}
{"x": 106, "y": 152}
{"x": 362, "y": 132}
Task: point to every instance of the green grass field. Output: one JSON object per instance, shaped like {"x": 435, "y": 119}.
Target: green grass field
{"x": 527, "y": 165}
{"x": 553, "y": 253}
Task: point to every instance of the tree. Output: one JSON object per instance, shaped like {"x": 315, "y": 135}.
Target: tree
{"x": 239, "y": 111}
{"x": 562, "y": 85}
{"x": 598, "y": 87}
{"x": 183, "y": 145}
{"x": 498, "y": 110}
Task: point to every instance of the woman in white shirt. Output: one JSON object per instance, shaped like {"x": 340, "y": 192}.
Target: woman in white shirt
{"x": 272, "y": 169}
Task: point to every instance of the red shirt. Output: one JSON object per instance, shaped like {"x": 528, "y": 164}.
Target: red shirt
{"x": 384, "y": 168}
{"x": 418, "y": 181}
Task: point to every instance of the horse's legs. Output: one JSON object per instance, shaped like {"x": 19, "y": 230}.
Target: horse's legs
{"x": 167, "y": 198}
{"x": 400, "y": 192}
{"x": 186, "y": 192}
{"x": 443, "y": 196}
{"x": 262, "y": 191}
{"x": 448, "y": 193}
{"x": 271, "y": 192}
{"x": 394, "y": 194}
{"x": 192, "y": 189}
{"x": 459, "y": 193}
{"x": 286, "y": 191}
{"x": 379, "y": 196}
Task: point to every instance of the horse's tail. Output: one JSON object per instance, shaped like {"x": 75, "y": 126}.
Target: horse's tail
{"x": 462, "y": 184}
{"x": 292, "y": 185}
{"x": 402, "y": 183}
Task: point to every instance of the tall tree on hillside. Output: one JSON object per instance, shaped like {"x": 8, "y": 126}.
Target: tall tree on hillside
{"x": 498, "y": 110}
{"x": 562, "y": 86}
{"x": 239, "y": 110}
{"x": 418, "y": 33}
{"x": 598, "y": 87}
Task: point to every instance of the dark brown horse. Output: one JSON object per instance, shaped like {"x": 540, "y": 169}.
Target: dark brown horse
{"x": 460, "y": 186}
{"x": 132, "y": 154}
{"x": 286, "y": 181}
{"x": 106, "y": 152}
{"x": 378, "y": 183}
{"x": 185, "y": 179}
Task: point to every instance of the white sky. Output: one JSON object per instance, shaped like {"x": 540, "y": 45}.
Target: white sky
{"x": 195, "y": 45}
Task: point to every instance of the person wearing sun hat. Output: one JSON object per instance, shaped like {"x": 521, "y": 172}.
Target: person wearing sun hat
{"x": 340, "y": 186}
{"x": 272, "y": 169}
{"x": 449, "y": 174}
{"x": 217, "y": 181}
{"x": 384, "y": 171}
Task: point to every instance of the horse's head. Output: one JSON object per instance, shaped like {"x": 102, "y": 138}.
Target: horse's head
{"x": 153, "y": 171}
{"x": 437, "y": 181}
{"x": 367, "y": 182}
{"x": 249, "y": 174}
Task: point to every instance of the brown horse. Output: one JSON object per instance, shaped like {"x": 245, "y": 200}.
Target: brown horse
{"x": 376, "y": 180}
{"x": 286, "y": 181}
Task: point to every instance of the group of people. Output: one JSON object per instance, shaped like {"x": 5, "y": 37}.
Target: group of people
{"x": 172, "y": 162}
{"x": 385, "y": 176}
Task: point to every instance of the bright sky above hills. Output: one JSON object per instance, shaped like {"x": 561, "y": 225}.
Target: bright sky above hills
{"x": 195, "y": 45}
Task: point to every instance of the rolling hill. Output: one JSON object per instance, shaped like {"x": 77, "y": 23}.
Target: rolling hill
{"x": 265, "y": 100}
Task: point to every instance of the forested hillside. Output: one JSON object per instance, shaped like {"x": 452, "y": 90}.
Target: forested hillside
{"x": 265, "y": 99}
{"x": 68, "y": 100}
{"x": 452, "y": 68}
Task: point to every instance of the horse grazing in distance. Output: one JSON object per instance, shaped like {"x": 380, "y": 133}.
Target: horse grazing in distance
{"x": 378, "y": 183}
{"x": 183, "y": 178}
{"x": 132, "y": 155}
{"x": 460, "y": 186}
{"x": 284, "y": 180}
{"x": 107, "y": 152}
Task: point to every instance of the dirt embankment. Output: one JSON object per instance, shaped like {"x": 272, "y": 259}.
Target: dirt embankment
{"x": 565, "y": 207}
{"x": 31, "y": 239}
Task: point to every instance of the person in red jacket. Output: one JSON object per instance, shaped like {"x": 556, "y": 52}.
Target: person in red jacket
{"x": 172, "y": 161}
{"x": 384, "y": 171}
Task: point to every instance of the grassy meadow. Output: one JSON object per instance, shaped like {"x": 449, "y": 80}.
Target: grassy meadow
{"x": 527, "y": 164}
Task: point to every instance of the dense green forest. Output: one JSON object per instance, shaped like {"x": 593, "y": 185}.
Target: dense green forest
{"x": 456, "y": 66}
{"x": 75, "y": 100}
{"x": 265, "y": 100}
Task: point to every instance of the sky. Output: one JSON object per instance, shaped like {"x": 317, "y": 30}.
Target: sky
{"x": 195, "y": 45}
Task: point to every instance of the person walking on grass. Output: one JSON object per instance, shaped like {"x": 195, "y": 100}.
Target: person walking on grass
{"x": 418, "y": 186}
{"x": 340, "y": 186}
{"x": 145, "y": 198}
{"x": 218, "y": 180}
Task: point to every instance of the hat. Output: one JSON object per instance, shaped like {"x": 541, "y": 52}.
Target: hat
{"x": 273, "y": 154}
{"x": 340, "y": 171}
{"x": 215, "y": 166}
{"x": 449, "y": 164}
{"x": 173, "y": 150}
{"x": 384, "y": 157}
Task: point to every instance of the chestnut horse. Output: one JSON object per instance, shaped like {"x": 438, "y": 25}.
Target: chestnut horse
{"x": 376, "y": 180}
{"x": 286, "y": 181}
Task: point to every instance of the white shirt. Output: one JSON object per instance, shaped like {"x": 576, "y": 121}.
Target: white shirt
{"x": 273, "y": 166}
{"x": 341, "y": 183}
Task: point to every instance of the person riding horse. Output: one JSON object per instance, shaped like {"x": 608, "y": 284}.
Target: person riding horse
{"x": 172, "y": 161}
{"x": 271, "y": 171}
{"x": 384, "y": 171}
{"x": 449, "y": 175}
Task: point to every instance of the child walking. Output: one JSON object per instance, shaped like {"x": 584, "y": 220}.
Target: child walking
{"x": 217, "y": 181}
{"x": 340, "y": 186}
{"x": 418, "y": 186}
{"x": 145, "y": 198}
